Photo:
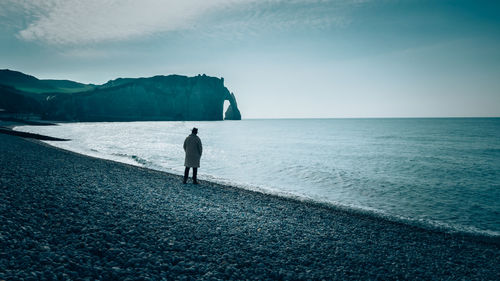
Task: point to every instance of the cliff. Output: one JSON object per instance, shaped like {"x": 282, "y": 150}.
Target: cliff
{"x": 172, "y": 97}
{"x": 16, "y": 101}
{"x": 232, "y": 112}
{"x": 31, "y": 84}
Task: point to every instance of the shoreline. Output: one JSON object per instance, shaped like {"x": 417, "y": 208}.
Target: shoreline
{"x": 426, "y": 225}
{"x": 7, "y": 126}
{"x": 240, "y": 234}
{"x": 479, "y": 235}
{"x": 9, "y": 131}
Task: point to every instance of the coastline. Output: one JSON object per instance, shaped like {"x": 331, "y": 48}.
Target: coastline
{"x": 7, "y": 126}
{"x": 373, "y": 210}
{"x": 74, "y": 216}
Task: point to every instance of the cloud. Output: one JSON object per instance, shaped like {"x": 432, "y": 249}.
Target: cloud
{"x": 80, "y": 22}
{"x": 90, "y": 53}
{"x": 77, "y": 22}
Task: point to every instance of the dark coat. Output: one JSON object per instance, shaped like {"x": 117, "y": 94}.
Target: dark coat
{"x": 193, "y": 149}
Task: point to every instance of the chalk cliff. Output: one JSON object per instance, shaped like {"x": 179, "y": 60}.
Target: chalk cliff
{"x": 232, "y": 112}
{"x": 172, "y": 97}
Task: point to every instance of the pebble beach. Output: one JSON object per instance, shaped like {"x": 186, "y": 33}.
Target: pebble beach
{"x": 66, "y": 216}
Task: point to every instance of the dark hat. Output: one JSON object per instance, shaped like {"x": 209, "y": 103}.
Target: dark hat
{"x": 194, "y": 131}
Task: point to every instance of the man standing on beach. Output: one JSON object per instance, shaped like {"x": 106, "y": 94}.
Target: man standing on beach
{"x": 193, "y": 149}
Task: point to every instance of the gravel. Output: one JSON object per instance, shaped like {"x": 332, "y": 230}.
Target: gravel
{"x": 68, "y": 216}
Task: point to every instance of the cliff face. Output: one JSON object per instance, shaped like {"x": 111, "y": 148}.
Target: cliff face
{"x": 171, "y": 97}
{"x": 15, "y": 101}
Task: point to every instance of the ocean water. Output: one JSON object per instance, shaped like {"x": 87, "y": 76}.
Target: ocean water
{"x": 438, "y": 172}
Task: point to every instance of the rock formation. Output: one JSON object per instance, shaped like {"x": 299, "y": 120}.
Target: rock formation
{"x": 232, "y": 112}
{"x": 172, "y": 97}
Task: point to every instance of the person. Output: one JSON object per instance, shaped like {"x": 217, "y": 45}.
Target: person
{"x": 193, "y": 149}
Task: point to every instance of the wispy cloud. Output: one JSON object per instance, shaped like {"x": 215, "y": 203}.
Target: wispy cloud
{"x": 80, "y": 22}
{"x": 76, "y": 22}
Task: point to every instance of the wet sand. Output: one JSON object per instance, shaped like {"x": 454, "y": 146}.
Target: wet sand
{"x": 69, "y": 216}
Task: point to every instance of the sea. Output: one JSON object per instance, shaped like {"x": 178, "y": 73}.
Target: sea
{"x": 433, "y": 172}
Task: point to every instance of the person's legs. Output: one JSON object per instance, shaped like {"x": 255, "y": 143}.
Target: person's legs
{"x": 186, "y": 174}
{"x": 195, "y": 173}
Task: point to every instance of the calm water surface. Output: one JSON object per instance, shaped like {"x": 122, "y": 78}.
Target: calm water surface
{"x": 441, "y": 172}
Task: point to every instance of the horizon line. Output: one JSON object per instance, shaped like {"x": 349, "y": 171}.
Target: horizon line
{"x": 387, "y": 117}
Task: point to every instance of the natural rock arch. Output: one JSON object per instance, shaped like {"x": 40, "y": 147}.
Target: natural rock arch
{"x": 232, "y": 112}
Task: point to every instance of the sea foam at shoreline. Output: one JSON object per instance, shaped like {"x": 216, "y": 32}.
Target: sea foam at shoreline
{"x": 437, "y": 171}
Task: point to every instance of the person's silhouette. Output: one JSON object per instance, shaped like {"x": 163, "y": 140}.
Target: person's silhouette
{"x": 193, "y": 149}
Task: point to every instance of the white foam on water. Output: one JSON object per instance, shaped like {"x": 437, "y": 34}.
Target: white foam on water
{"x": 443, "y": 173}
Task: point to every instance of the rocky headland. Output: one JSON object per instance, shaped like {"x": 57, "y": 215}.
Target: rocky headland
{"x": 165, "y": 98}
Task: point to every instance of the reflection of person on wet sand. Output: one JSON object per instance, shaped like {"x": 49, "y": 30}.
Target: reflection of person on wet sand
{"x": 193, "y": 149}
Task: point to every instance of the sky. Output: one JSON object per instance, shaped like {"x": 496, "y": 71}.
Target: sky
{"x": 282, "y": 59}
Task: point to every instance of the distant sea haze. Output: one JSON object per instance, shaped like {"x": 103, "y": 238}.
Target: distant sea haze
{"x": 441, "y": 172}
